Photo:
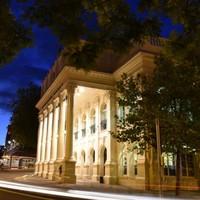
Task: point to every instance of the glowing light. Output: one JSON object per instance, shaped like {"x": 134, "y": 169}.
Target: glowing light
{"x": 72, "y": 193}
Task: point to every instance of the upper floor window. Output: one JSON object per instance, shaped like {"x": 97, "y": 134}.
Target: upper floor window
{"x": 121, "y": 113}
{"x": 92, "y": 121}
{"x": 76, "y": 129}
{"x": 84, "y": 125}
{"x": 103, "y": 117}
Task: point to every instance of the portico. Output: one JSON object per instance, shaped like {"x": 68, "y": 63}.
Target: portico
{"x": 55, "y": 159}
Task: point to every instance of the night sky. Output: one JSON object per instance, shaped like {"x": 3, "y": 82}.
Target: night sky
{"x": 31, "y": 65}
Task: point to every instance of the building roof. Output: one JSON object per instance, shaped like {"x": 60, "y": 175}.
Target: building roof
{"x": 107, "y": 62}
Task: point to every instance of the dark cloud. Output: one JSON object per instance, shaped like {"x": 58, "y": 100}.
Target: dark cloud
{"x": 30, "y": 65}
{"x": 12, "y": 78}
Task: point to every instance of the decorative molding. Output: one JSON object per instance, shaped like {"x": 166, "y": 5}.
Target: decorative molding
{"x": 63, "y": 95}
{"x": 40, "y": 117}
{"x": 50, "y": 108}
{"x": 45, "y": 112}
{"x": 56, "y": 102}
{"x": 71, "y": 86}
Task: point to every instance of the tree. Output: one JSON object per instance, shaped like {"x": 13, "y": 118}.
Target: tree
{"x": 85, "y": 28}
{"x": 24, "y": 120}
{"x": 171, "y": 93}
{"x": 13, "y": 35}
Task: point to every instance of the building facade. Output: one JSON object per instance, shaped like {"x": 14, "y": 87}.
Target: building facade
{"x": 77, "y": 112}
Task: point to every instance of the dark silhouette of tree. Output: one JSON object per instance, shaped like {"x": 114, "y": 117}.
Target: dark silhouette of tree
{"x": 13, "y": 35}
{"x": 24, "y": 120}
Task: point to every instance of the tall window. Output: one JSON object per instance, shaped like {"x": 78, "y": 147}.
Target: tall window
{"x": 187, "y": 164}
{"x": 84, "y": 125}
{"x": 83, "y": 157}
{"x": 76, "y": 129}
{"x": 92, "y": 121}
{"x": 124, "y": 164}
{"x": 103, "y": 117}
{"x": 121, "y": 113}
{"x": 169, "y": 164}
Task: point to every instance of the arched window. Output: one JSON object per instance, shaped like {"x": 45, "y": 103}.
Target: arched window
{"x": 103, "y": 117}
{"x": 105, "y": 155}
{"x": 76, "y": 129}
{"x": 83, "y": 157}
{"x": 121, "y": 113}
{"x": 92, "y": 121}
{"x": 93, "y": 156}
{"x": 84, "y": 125}
{"x": 124, "y": 164}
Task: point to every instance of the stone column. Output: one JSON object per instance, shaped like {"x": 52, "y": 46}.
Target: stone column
{"x": 96, "y": 164}
{"x": 48, "y": 141}
{"x": 44, "y": 136}
{"x": 61, "y": 142}
{"x": 111, "y": 163}
{"x": 45, "y": 166}
{"x": 54, "y": 140}
{"x": 39, "y": 144}
{"x": 69, "y": 164}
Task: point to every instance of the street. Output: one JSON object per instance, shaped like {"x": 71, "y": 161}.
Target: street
{"x": 18, "y": 191}
{"x": 22, "y": 185}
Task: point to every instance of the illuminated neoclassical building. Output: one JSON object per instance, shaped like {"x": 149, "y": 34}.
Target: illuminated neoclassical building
{"x": 77, "y": 112}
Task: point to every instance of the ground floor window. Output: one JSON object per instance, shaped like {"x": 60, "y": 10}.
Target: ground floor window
{"x": 187, "y": 164}
{"x": 124, "y": 164}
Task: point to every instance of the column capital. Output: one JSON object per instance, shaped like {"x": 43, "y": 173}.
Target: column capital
{"x": 50, "y": 108}
{"x": 40, "y": 117}
{"x": 70, "y": 88}
{"x": 56, "y": 102}
{"x": 112, "y": 93}
{"x": 63, "y": 95}
{"x": 45, "y": 112}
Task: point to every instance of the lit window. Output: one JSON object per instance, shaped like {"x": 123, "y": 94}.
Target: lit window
{"x": 92, "y": 121}
{"x": 76, "y": 129}
{"x": 187, "y": 164}
{"x": 84, "y": 125}
{"x": 103, "y": 117}
{"x": 169, "y": 164}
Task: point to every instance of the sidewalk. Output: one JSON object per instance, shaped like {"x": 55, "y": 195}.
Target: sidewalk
{"x": 29, "y": 178}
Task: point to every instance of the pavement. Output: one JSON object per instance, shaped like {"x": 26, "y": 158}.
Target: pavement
{"x": 28, "y": 177}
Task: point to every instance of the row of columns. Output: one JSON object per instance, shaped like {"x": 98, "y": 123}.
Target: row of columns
{"x": 55, "y": 138}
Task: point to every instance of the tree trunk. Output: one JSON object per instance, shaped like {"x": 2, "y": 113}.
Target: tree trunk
{"x": 178, "y": 172}
{"x": 147, "y": 168}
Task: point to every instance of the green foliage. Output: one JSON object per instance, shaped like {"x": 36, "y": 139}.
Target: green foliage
{"x": 138, "y": 124}
{"x": 171, "y": 93}
{"x": 103, "y": 24}
{"x": 13, "y": 35}
{"x": 24, "y": 120}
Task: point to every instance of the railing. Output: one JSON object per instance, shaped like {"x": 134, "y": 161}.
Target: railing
{"x": 83, "y": 132}
{"x": 104, "y": 124}
{"x": 92, "y": 129}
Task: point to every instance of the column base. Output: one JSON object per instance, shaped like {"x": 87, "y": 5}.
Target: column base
{"x": 69, "y": 172}
{"x": 65, "y": 172}
{"x": 96, "y": 173}
{"x": 51, "y": 170}
{"x": 110, "y": 173}
{"x": 40, "y": 169}
{"x": 36, "y": 168}
{"x": 45, "y": 170}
